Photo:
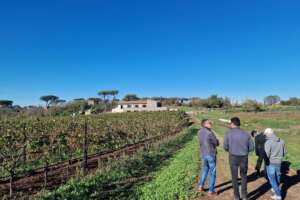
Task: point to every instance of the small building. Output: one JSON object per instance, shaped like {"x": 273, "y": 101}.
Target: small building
{"x": 138, "y": 106}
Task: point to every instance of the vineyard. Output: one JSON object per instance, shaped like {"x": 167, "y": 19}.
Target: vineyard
{"x": 125, "y": 177}
{"x": 37, "y": 147}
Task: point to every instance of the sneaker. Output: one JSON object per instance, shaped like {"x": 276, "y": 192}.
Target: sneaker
{"x": 273, "y": 191}
{"x": 212, "y": 194}
{"x": 200, "y": 189}
{"x": 276, "y": 197}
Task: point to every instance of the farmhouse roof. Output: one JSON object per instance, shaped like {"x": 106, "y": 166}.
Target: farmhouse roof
{"x": 133, "y": 102}
{"x": 94, "y": 99}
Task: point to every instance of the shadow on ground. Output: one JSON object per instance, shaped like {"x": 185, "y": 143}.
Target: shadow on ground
{"x": 287, "y": 183}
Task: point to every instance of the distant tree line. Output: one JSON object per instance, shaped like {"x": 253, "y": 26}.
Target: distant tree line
{"x": 107, "y": 100}
{"x": 214, "y": 101}
{"x": 6, "y": 103}
{"x": 293, "y": 101}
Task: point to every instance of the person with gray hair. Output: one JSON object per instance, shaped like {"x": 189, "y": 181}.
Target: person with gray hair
{"x": 275, "y": 152}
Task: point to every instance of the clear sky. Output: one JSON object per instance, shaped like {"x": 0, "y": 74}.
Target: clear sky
{"x": 74, "y": 48}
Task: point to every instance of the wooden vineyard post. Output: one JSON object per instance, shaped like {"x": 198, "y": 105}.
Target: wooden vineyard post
{"x": 99, "y": 163}
{"x": 11, "y": 179}
{"x": 85, "y": 149}
{"x": 68, "y": 168}
{"x": 24, "y": 143}
{"x": 45, "y": 174}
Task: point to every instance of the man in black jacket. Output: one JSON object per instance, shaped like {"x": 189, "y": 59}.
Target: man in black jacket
{"x": 260, "y": 141}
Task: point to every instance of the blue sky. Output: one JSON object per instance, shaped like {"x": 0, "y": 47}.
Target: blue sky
{"x": 74, "y": 48}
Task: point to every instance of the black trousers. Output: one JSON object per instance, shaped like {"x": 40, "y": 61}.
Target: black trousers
{"x": 239, "y": 163}
{"x": 260, "y": 160}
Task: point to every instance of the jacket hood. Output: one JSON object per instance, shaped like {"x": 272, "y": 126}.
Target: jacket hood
{"x": 273, "y": 137}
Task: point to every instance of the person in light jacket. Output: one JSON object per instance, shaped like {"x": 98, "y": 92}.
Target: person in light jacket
{"x": 208, "y": 147}
{"x": 275, "y": 152}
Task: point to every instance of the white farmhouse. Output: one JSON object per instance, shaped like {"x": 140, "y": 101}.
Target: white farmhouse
{"x": 138, "y": 106}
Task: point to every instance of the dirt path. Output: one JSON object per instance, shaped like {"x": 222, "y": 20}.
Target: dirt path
{"x": 258, "y": 188}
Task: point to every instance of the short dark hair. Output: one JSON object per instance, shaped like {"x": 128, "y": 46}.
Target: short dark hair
{"x": 236, "y": 121}
{"x": 253, "y": 133}
{"x": 203, "y": 122}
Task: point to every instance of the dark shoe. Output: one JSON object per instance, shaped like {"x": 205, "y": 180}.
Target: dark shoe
{"x": 212, "y": 194}
{"x": 258, "y": 174}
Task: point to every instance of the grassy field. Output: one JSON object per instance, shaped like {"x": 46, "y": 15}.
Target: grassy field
{"x": 285, "y": 123}
{"x": 176, "y": 180}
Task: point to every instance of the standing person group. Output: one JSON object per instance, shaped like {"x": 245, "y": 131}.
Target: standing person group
{"x": 238, "y": 143}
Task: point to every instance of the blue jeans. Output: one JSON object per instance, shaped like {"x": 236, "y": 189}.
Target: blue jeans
{"x": 274, "y": 174}
{"x": 208, "y": 166}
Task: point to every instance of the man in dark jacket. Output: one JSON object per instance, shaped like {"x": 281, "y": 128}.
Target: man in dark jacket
{"x": 208, "y": 146}
{"x": 238, "y": 143}
{"x": 260, "y": 141}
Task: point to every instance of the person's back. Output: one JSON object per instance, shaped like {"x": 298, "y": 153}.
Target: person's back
{"x": 275, "y": 152}
{"x": 275, "y": 149}
{"x": 238, "y": 144}
{"x": 260, "y": 141}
